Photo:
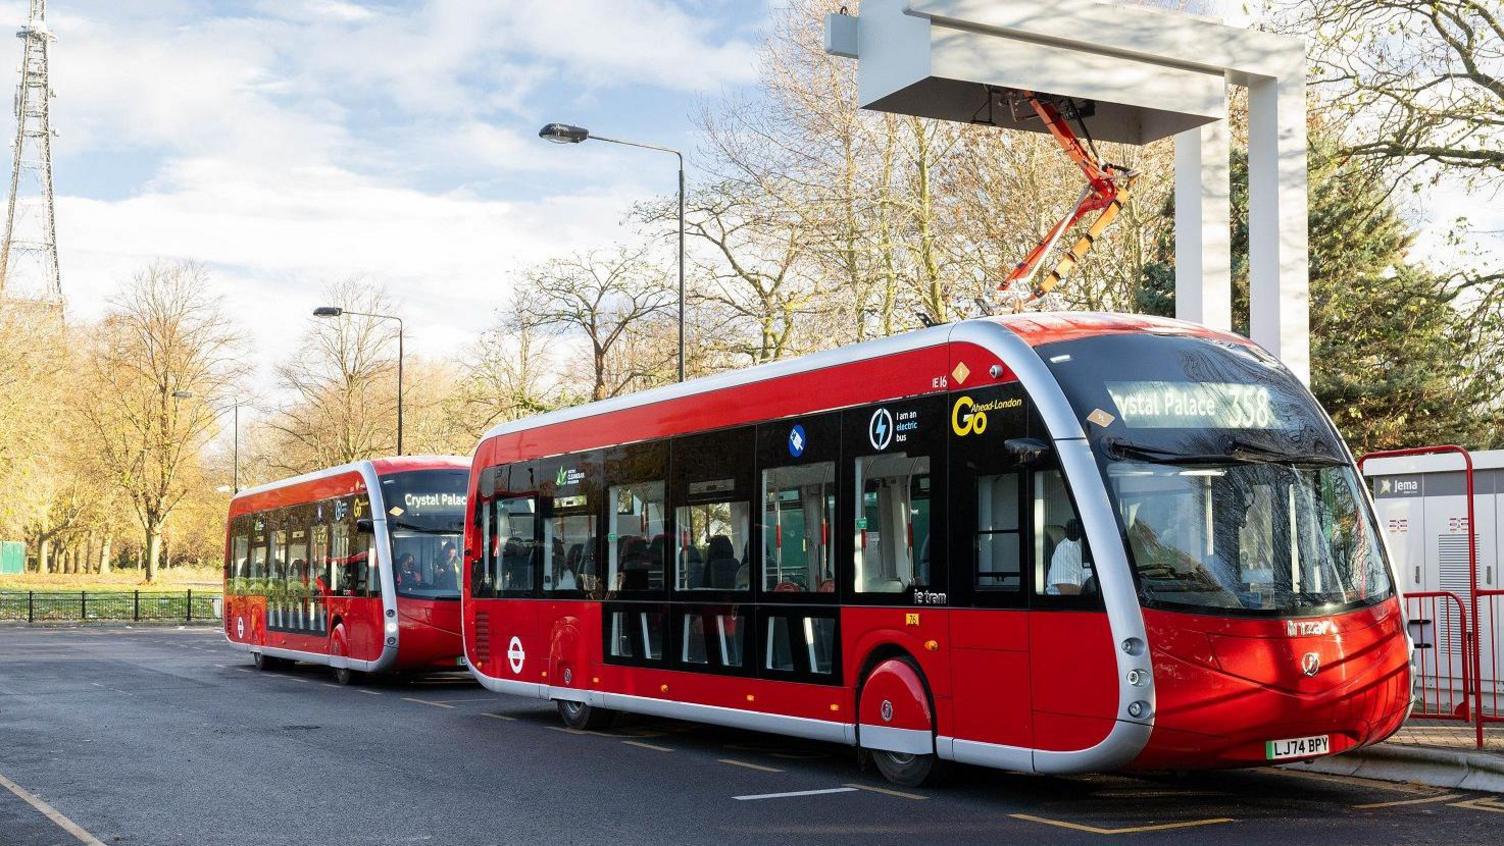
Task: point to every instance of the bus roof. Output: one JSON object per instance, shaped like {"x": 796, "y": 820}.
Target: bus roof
{"x": 282, "y": 491}
{"x": 915, "y": 369}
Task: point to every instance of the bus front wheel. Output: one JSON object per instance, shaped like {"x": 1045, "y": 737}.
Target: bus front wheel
{"x": 908, "y": 770}
{"x": 265, "y": 663}
{"x": 582, "y": 717}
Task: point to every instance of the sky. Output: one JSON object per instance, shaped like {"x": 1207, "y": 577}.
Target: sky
{"x": 288, "y": 143}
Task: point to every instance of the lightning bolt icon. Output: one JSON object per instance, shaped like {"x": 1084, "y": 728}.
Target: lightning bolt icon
{"x": 882, "y": 428}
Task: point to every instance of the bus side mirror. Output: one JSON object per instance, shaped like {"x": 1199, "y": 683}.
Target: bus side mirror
{"x": 1028, "y": 451}
{"x": 364, "y": 526}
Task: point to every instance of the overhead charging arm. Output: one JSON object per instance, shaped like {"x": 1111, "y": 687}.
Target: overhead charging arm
{"x": 1107, "y": 189}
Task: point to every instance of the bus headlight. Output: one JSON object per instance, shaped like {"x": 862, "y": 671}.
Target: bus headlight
{"x": 1138, "y": 710}
{"x": 391, "y": 627}
{"x": 1137, "y": 677}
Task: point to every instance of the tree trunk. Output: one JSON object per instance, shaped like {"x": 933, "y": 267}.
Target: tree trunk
{"x": 44, "y": 556}
{"x": 104, "y": 555}
{"x": 153, "y": 552}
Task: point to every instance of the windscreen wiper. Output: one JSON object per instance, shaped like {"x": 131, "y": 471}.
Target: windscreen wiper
{"x": 394, "y": 523}
{"x": 1255, "y": 454}
{"x": 1238, "y": 450}
{"x": 1119, "y": 448}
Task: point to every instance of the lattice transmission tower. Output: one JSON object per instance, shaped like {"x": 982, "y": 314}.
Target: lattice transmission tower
{"x": 28, "y": 256}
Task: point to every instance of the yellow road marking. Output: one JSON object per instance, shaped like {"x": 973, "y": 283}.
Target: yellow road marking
{"x": 1421, "y": 801}
{"x": 640, "y": 745}
{"x": 499, "y": 717}
{"x": 886, "y": 791}
{"x": 759, "y": 767}
{"x": 51, "y": 813}
{"x": 1351, "y": 780}
{"x": 1483, "y": 803}
{"x": 1136, "y": 829}
{"x": 426, "y": 702}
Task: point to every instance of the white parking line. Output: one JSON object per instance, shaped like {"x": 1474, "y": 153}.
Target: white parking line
{"x": 51, "y": 813}
{"x": 653, "y": 746}
{"x": 794, "y": 793}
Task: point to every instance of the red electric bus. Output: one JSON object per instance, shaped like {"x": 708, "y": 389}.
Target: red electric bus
{"x": 1048, "y": 543}
{"x": 356, "y": 567}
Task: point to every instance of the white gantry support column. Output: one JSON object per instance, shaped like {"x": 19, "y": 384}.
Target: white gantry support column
{"x": 1278, "y": 220}
{"x": 1149, "y": 75}
{"x": 1203, "y": 217}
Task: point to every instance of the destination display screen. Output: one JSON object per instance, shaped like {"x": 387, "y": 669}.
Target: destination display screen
{"x": 428, "y": 499}
{"x": 1193, "y": 405}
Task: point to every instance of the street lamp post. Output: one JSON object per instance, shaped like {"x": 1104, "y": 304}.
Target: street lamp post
{"x": 563, "y": 133}
{"x": 336, "y": 311}
{"x": 235, "y": 439}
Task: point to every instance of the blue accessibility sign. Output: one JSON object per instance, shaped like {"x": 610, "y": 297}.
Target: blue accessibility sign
{"x": 797, "y": 441}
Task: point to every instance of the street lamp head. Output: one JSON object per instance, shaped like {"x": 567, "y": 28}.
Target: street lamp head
{"x": 563, "y": 133}
{"x": 328, "y": 311}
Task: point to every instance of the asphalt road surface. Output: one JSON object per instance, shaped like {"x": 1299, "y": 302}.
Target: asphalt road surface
{"x": 168, "y": 736}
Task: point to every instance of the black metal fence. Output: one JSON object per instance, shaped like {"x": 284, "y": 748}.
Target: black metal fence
{"x": 185, "y": 606}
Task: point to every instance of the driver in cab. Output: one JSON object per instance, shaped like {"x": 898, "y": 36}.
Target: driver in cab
{"x": 1067, "y": 575}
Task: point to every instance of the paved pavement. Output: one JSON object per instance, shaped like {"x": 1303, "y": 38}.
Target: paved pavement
{"x": 165, "y": 736}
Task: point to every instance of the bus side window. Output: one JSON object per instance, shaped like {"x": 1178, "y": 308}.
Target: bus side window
{"x": 892, "y": 545}
{"x": 711, "y": 494}
{"x": 999, "y": 545}
{"x": 637, "y": 539}
{"x": 238, "y": 566}
{"x": 257, "y": 573}
{"x": 364, "y": 579}
{"x": 516, "y": 520}
{"x": 339, "y": 553}
{"x": 797, "y": 514}
{"x": 1062, "y": 560}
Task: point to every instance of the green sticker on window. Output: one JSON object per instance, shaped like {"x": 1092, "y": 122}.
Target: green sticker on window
{"x": 611, "y": 537}
{"x": 861, "y": 522}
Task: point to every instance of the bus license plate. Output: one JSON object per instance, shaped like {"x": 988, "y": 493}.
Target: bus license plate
{"x": 1297, "y": 747}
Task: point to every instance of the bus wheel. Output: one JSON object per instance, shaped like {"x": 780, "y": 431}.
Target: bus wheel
{"x": 908, "y": 770}
{"x": 896, "y": 723}
{"x": 265, "y": 663}
{"x": 338, "y": 648}
{"x": 578, "y": 715}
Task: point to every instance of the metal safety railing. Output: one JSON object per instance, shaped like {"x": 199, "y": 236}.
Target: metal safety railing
{"x": 186, "y": 606}
{"x": 1490, "y": 619}
{"x": 1457, "y": 684}
{"x": 1442, "y": 665}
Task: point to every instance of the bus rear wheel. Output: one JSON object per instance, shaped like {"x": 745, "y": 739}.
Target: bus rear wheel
{"x": 582, "y": 717}
{"x": 343, "y": 675}
{"x": 908, "y": 770}
{"x": 266, "y": 663}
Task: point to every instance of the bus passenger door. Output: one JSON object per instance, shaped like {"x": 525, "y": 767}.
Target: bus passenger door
{"x": 989, "y": 626}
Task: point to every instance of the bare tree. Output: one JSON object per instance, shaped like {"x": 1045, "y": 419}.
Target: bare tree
{"x": 600, "y": 298}
{"x": 164, "y": 356}
{"x": 342, "y": 378}
{"x": 1422, "y": 80}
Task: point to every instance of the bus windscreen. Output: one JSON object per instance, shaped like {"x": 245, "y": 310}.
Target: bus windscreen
{"x": 425, "y": 517}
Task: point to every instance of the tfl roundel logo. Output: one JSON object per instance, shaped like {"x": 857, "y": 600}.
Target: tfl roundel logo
{"x": 880, "y": 428}
{"x": 797, "y": 441}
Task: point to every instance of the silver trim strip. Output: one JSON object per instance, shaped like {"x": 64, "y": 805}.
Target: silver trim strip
{"x": 804, "y": 727}
{"x": 891, "y": 739}
{"x": 310, "y": 657}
